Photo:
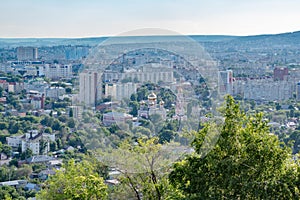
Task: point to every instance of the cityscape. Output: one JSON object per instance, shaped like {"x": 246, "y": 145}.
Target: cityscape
{"x": 150, "y": 113}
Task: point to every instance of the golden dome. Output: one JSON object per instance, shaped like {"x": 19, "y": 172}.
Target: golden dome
{"x": 152, "y": 96}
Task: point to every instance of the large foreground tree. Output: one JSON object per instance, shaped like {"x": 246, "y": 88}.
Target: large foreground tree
{"x": 143, "y": 167}
{"x": 76, "y": 181}
{"x": 247, "y": 162}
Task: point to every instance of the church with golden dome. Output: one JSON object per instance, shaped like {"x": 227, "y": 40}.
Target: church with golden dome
{"x": 151, "y": 107}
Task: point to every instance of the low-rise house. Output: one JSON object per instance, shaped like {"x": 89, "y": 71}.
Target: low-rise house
{"x": 3, "y": 156}
{"x": 44, "y": 174}
{"x": 32, "y": 186}
{"x": 14, "y": 183}
{"x": 39, "y": 159}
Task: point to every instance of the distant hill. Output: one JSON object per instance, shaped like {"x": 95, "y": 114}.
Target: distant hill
{"x": 291, "y": 39}
{"x": 286, "y": 39}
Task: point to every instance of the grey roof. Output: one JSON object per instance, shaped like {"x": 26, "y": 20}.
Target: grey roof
{"x": 39, "y": 158}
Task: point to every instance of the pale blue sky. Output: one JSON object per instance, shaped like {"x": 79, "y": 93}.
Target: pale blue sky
{"x": 85, "y": 18}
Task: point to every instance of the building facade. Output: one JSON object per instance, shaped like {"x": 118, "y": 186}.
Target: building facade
{"x": 280, "y": 74}
{"x": 268, "y": 90}
{"x": 225, "y": 82}
{"x": 27, "y": 53}
{"x": 119, "y": 91}
{"x": 39, "y": 143}
{"x": 90, "y": 88}
{"x": 56, "y": 71}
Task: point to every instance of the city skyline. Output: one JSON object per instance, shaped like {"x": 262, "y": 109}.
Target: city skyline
{"x": 76, "y": 19}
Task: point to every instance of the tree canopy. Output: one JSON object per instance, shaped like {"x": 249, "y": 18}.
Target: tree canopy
{"x": 247, "y": 162}
{"x": 76, "y": 181}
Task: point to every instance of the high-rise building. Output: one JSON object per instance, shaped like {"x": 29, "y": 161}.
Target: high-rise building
{"x": 27, "y": 53}
{"x": 118, "y": 91}
{"x": 225, "y": 82}
{"x": 280, "y": 74}
{"x": 90, "y": 87}
{"x": 298, "y": 92}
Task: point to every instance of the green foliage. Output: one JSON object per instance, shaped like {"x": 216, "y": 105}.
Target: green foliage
{"x": 3, "y": 125}
{"x": 13, "y": 173}
{"x": 10, "y": 193}
{"x": 294, "y": 137}
{"x": 247, "y": 162}
{"x": 71, "y": 123}
{"x": 69, "y": 90}
{"x": 13, "y": 127}
{"x": 48, "y": 130}
{"x": 71, "y": 114}
{"x": 134, "y": 108}
{"x": 142, "y": 93}
{"x": 76, "y": 181}
{"x": 31, "y": 119}
{"x": 5, "y": 149}
{"x": 168, "y": 132}
{"x": 26, "y": 154}
{"x": 143, "y": 166}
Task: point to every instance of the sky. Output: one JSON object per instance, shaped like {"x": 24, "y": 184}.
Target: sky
{"x": 90, "y": 18}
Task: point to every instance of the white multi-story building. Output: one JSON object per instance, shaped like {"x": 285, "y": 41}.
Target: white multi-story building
{"x": 225, "y": 82}
{"x": 119, "y": 91}
{"x": 238, "y": 87}
{"x": 55, "y": 92}
{"x": 32, "y": 140}
{"x": 90, "y": 87}
{"x": 111, "y": 76}
{"x": 298, "y": 92}
{"x": 56, "y": 71}
{"x": 153, "y": 73}
{"x": 268, "y": 90}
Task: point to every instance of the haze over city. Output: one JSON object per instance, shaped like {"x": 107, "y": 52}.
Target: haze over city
{"x": 65, "y": 18}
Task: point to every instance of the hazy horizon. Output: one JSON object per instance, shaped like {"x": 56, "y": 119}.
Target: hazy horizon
{"x": 85, "y": 19}
{"x": 106, "y": 36}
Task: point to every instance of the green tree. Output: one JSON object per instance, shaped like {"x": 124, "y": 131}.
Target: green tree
{"x": 75, "y": 181}
{"x": 142, "y": 130}
{"x": 9, "y": 193}
{"x": 3, "y": 125}
{"x": 71, "y": 114}
{"x": 53, "y": 146}
{"x": 26, "y": 154}
{"x": 48, "y": 130}
{"x": 142, "y": 93}
{"x": 71, "y": 123}
{"x": 69, "y": 90}
{"x": 166, "y": 136}
{"x": 134, "y": 108}
{"x": 143, "y": 167}
{"x": 247, "y": 162}
{"x": 4, "y": 148}
{"x": 13, "y": 127}
{"x": 133, "y": 97}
